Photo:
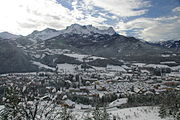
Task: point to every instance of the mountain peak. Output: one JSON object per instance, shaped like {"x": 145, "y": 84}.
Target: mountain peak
{"x": 111, "y": 30}
{"x": 44, "y": 34}
{"x": 88, "y": 29}
{"x": 72, "y": 29}
{"x": 49, "y": 30}
{"x": 7, "y": 35}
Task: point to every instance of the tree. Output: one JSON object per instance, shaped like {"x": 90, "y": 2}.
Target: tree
{"x": 170, "y": 104}
{"x": 12, "y": 99}
{"x": 23, "y": 104}
{"x": 65, "y": 114}
{"x": 97, "y": 114}
{"x": 162, "y": 111}
{"x": 105, "y": 114}
{"x": 100, "y": 114}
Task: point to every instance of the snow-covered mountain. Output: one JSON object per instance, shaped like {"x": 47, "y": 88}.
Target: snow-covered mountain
{"x": 90, "y": 40}
{"x": 44, "y": 34}
{"x": 170, "y": 44}
{"x": 73, "y": 29}
{"x": 87, "y": 29}
{"x": 49, "y": 47}
{"x": 7, "y": 35}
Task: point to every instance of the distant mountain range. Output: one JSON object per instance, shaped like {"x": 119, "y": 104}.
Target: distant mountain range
{"x": 50, "y": 47}
{"x": 7, "y": 35}
{"x": 170, "y": 44}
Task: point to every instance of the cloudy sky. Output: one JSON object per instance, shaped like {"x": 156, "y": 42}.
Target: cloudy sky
{"x": 151, "y": 20}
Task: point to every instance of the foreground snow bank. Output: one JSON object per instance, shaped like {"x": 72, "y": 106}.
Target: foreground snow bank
{"x": 138, "y": 113}
{"x": 135, "y": 113}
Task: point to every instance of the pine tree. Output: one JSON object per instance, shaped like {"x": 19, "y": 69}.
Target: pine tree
{"x": 65, "y": 114}
{"x": 162, "y": 111}
{"x": 11, "y": 103}
{"x": 170, "y": 104}
{"x": 105, "y": 115}
{"x": 97, "y": 113}
{"x": 100, "y": 114}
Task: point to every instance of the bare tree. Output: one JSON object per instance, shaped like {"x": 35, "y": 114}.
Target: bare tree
{"x": 27, "y": 104}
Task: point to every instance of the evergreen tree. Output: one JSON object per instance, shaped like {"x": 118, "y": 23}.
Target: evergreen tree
{"x": 11, "y": 102}
{"x": 170, "y": 104}
{"x": 65, "y": 114}
{"x": 162, "y": 111}
{"x": 100, "y": 114}
{"x": 105, "y": 115}
{"x": 97, "y": 114}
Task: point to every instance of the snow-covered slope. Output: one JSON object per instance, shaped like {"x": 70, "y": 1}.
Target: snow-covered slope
{"x": 138, "y": 113}
{"x": 168, "y": 44}
{"x": 40, "y": 65}
{"x": 135, "y": 113}
{"x": 73, "y": 29}
{"x": 87, "y": 29}
{"x": 44, "y": 34}
{"x": 80, "y": 57}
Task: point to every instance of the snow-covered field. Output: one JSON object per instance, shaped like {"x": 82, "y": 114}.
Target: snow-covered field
{"x": 156, "y": 66}
{"x": 1, "y": 107}
{"x": 135, "y": 113}
{"x": 176, "y": 68}
{"x": 40, "y": 65}
{"x": 175, "y": 74}
{"x": 138, "y": 113}
{"x": 80, "y": 57}
{"x": 69, "y": 68}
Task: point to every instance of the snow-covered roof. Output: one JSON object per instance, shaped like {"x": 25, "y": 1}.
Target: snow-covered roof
{"x": 116, "y": 68}
{"x": 156, "y": 66}
{"x": 118, "y": 102}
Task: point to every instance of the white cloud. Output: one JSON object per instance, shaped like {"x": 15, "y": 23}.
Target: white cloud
{"x": 24, "y": 16}
{"x": 177, "y": 9}
{"x": 122, "y": 8}
{"x": 152, "y": 29}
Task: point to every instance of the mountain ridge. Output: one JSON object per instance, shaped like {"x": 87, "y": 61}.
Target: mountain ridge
{"x": 13, "y": 59}
{"x": 7, "y": 35}
{"x": 49, "y": 47}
